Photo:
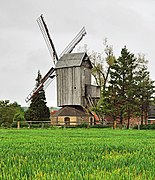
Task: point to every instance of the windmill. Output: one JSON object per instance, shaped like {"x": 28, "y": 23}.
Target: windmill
{"x": 73, "y": 76}
{"x": 50, "y": 74}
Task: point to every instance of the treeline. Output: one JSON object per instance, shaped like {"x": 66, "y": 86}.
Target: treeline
{"x": 127, "y": 90}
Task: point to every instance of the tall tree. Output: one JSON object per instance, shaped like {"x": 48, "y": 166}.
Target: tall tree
{"x": 102, "y": 63}
{"x": 38, "y": 110}
{"x": 122, "y": 81}
{"x": 145, "y": 89}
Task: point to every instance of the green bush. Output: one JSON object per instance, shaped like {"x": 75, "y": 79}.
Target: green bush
{"x": 6, "y": 125}
{"x": 82, "y": 125}
{"x": 39, "y": 125}
{"x": 101, "y": 126}
{"x": 146, "y": 127}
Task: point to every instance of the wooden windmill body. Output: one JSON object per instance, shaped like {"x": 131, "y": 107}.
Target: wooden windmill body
{"x": 73, "y": 73}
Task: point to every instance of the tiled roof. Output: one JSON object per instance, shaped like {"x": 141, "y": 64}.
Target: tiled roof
{"x": 72, "y": 111}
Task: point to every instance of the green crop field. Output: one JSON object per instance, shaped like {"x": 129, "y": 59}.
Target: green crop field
{"x": 46, "y": 154}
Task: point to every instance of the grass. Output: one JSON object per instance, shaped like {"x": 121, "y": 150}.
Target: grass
{"x": 40, "y": 154}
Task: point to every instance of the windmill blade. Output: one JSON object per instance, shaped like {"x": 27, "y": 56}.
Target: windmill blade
{"x": 45, "y": 32}
{"x": 35, "y": 92}
{"x": 74, "y": 42}
{"x": 48, "y": 74}
{"x": 41, "y": 85}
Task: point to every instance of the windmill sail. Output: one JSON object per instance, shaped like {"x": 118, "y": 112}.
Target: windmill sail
{"x": 44, "y": 29}
{"x": 74, "y": 42}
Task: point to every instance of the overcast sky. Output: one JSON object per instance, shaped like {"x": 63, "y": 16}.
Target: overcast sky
{"x": 23, "y": 50}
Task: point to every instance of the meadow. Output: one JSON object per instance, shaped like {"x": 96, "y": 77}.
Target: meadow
{"x": 46, "y": 154}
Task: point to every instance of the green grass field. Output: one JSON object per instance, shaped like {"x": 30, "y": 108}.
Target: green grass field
{"x": 45, "y": 154}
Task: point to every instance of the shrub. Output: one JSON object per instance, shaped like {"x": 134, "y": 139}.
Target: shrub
{"x": 82, "y": 125}
{"x": 146, "y": 127}
{"x": 101, "y": 126}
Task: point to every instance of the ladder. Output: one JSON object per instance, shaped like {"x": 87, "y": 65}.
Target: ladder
{"x": 90, "y": 101}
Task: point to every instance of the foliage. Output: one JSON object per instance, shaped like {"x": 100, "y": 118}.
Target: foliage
{"x": 77, "y": 154}
{"x": 102, "y": 64}
{"x": 82, "y": 125}
{"x": 147, "y": 126}
{"x": 38, "y": 110}
{"x": 100, "y": 126}
{"x": 19, "y": 116}
{"x": 9, "y": 112}
{"x": 145, "y": 89}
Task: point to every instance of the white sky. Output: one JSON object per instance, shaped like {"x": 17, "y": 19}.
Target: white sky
{"x": 23, "y": 50}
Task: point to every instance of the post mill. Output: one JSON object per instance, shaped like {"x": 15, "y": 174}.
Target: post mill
{"x": 75, "y": 94}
